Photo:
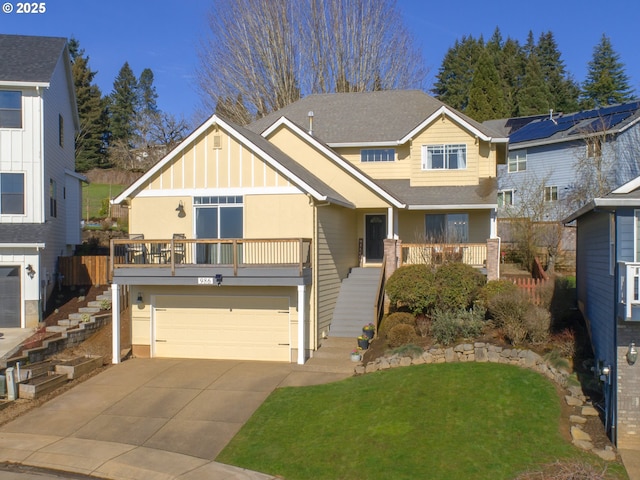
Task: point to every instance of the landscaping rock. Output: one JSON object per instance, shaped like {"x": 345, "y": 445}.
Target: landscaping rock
{"x": 607, "y": 454}
{"x": 577, "y": 419}
{"x": 583, "y": 444}
{"x": 450, "y": 356}
{"x": 384, "y": 364}
{"x": 418, "y": 360}
{"x": 372, "y": 367}
{"x": 589, "y": 411}
{"x": 573, "y": 401}
{"x": 359, "y": 370}
{"x": 480, "y": 354}
{"x": 578, "y": 434}
{"x": 405, "y": 361}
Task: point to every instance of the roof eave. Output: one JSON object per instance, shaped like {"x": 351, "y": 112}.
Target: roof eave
{"x": 602, "y": 203}
{"x": 19, "y": 84}
{"x": 470, "y": 206}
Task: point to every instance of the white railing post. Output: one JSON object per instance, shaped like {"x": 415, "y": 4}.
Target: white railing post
{"x": 115, "y": 323}
{"x": 301, "y": 323}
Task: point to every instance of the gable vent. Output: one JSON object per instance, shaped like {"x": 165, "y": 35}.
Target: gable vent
{"x": 217, "y": 142}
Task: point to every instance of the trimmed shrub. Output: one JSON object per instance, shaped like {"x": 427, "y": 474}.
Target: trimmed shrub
{"x": 397, "y": 318}
{"x": 494, "y": 288}
{"x": 457, "y": 285}
{"x": 413, "y": 287}
{"x": 505, "y": 307}
{"x": 538, "y": 322}
{"x": 409, "y": 350}
{"x": 448, "y": 325}
{"x": 402, "y": 334}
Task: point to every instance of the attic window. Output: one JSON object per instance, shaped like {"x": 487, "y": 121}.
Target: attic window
{"x": 378, "y": 155}
{"x": 10, "y": 109}
{"x": 217, "y": 142}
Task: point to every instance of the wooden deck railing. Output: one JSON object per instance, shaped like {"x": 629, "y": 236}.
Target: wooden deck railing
{"x": 419, "y": 253}
{"x": 236, "y": 253}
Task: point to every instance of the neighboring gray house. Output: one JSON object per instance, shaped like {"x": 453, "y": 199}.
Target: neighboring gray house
{"x": 40, "y": 192}
{"x": 608, "y": 291}
{"x": 554, "y": 157}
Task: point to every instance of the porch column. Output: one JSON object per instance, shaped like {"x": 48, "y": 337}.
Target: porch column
{"x": 494, "y": 223}
{"x": 493, "y": 259}
{"x": 115, "y": 323}
{"x": 302, "y": 295}
{"x": 392, "y": 224}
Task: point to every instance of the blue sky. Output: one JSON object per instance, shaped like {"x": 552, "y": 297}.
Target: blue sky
{"x": 164, "y": 35}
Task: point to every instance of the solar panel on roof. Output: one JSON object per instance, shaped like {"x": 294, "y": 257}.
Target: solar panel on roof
{"x": 538, "y": 131}
{"x": 603, "y": 118}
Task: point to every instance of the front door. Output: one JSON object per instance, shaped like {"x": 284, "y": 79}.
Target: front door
{"x": 375, "y": 233}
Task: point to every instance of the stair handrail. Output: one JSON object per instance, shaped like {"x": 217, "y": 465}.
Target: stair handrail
{"x": 379, "y": 303}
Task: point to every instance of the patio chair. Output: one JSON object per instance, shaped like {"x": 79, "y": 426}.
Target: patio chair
{"x": 136, "y": 252}
{"x": 178, "y": 247}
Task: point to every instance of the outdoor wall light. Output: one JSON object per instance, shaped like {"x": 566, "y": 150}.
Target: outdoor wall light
{"x": 30, "y": 271}
{"x": 219, "y": 279}
{"x": 180, "y": 210}
{"x": 139, "y": 300}
{"x": 632, "y": 354}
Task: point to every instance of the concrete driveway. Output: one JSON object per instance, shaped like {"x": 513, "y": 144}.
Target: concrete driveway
{"x": 150, "y": 418}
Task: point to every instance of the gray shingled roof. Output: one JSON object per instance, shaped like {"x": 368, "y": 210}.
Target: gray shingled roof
{"x": 483, "y": 194}
{"x": 29, "y": 59}
{"x": 23, "y": 233}
{"x": 384, "y": 116}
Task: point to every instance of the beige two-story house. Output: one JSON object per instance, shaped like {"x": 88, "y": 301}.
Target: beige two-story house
{"x": 241, "y": 237}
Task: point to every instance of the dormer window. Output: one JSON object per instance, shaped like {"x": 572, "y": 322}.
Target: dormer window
{"x": 378, "y": 155}
{"x": 10, "y": 109}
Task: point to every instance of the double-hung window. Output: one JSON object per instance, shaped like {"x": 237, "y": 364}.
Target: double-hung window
{"x": 12, "y": 193}
{"x": 505, "y": 198}
{"x": 53, "y": 198}
{"x": 10, "y": 109}
{"x": 550, "y": 194}
{"x": 517, "y": 161}
{"x": 444, "y": 157}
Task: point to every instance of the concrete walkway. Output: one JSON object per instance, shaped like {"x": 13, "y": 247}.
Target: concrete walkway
{"x": 151, "y": 418}
{"x": 10, "y": 341}
{"x": 631, "y": 461}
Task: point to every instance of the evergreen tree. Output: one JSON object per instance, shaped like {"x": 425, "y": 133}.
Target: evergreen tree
{"x": 122, "y": 106}
{"x": 457, "y": 71}
{"x": 147, "y": 94}
{"x": 92, "y": 112}
{"x": 486, "y": 98}
{"x": 606, "y": 83}
{"x": 533, "y": 97}
{"x": 563, "y": 90}
{"x": 511, "y": 71}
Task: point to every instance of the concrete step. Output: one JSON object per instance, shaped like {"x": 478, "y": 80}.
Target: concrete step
{"x": 56, "y": 329}
{"x": 69, "y": 323}
{"x": 333, "y": 356}
{"x": 104, "y": 296}
{"x": 88, "y": 310}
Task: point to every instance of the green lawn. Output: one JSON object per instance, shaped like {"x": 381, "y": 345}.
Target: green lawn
{"x": 446, "y": 421}
{"x": 93, "y": 195}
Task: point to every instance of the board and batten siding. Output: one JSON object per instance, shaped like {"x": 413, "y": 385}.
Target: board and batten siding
{"x": 337, "y": 252}
{"x": 201, "y": 166}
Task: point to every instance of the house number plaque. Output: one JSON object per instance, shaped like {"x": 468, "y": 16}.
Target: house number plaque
{"x": 205, "y": 280}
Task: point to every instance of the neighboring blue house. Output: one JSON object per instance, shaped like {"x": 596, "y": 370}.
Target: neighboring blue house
{"x": 546, "y": 154}
{"x": 608, "y": 291}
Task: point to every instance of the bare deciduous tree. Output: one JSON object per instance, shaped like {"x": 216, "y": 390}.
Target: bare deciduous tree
{"x": 269, "y": 53}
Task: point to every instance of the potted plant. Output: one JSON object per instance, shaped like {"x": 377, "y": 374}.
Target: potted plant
{"x": 356, "y": 354}
{"x": 369, "y": 330}
{"x": 363, "y": 342}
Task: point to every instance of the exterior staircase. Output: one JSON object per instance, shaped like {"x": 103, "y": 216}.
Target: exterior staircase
{"x": 84, "y": 314}
{"x": 356, "y": 303}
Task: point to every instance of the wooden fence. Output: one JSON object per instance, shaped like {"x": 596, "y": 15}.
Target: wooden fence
{"x": 84, "y": 270}
{"x": 533, "y": 287}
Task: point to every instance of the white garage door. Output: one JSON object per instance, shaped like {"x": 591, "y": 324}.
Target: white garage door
{"x": 239, "y": 328}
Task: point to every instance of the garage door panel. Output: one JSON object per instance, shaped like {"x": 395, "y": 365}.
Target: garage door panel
{"x": 251, "y": 328}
